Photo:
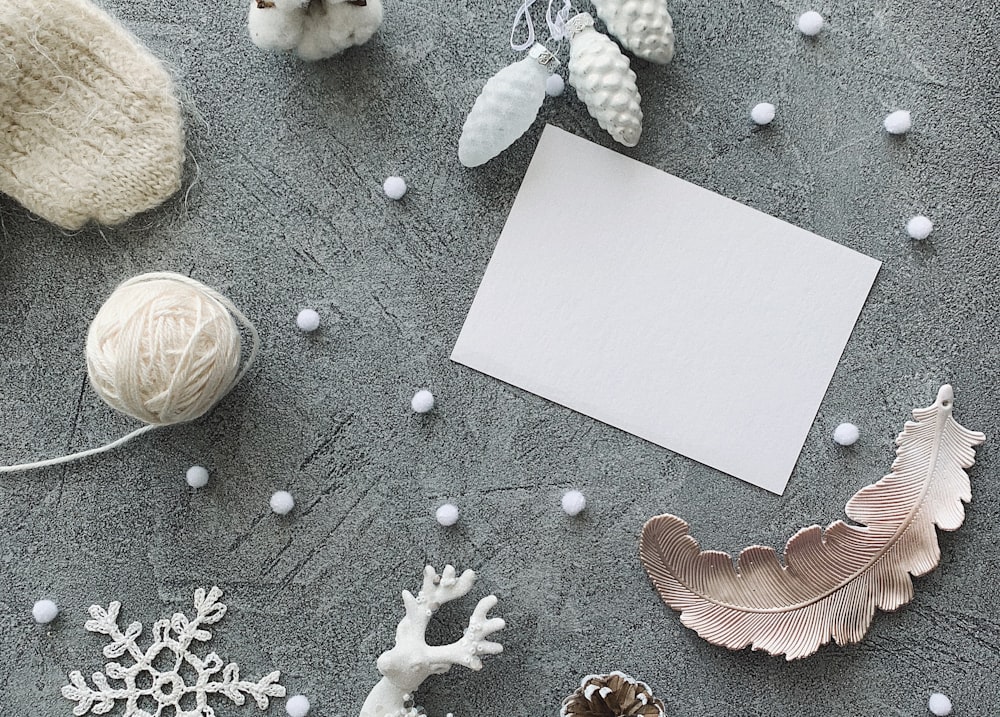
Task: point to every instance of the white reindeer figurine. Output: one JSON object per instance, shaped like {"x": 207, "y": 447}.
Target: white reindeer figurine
{"x": 412, "y": 660}
{"x": 314, "y": 29}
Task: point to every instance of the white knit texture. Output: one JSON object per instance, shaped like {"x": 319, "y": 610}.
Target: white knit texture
{"x": 89, "y": 125}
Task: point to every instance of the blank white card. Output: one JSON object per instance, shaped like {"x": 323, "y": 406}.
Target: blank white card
{"x": 664, "y": 309}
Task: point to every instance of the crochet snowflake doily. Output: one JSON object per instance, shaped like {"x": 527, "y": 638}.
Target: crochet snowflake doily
{"x": 154, "y": 682}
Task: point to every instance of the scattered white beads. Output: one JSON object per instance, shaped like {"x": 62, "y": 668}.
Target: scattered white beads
{"x": 573, "y": 502}
{"x": 422, "y": 401}
{"x": 282, "y": 502}
{"x": 555, "y": 85}
{"x": 898, "y": 122}
{"x": 846, "y": 434}
{"x": 297, "y": 706}
{"x": 196, "y": 476}
{"x": 395, "y": 187}
{"x": 447, "y": 514}
{"x": 919, "y": 227}
{"x": 939, "y": 705}
{"x": 810, "y": 23}
{"x": 44, "y": 611}
{"x": 307, "y": 320}
{"x": 762, "y": 113}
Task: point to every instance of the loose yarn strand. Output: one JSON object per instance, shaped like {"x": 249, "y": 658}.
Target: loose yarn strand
{"x": 178, "y": 372}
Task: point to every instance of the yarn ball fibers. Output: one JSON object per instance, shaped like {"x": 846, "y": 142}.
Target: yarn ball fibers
{"x": 164, "y": 348}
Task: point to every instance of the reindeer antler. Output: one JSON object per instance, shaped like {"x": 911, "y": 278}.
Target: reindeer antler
{"x": 412, "y": 660}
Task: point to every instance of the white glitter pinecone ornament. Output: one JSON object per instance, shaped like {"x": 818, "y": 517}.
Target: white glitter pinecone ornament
{"x": 506, "y": 107}
{"x": 603, "y": 81}
{"x": 643, "y": 26}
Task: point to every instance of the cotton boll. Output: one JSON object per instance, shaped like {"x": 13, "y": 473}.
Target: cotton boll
{"x": 846, "y": 434}
{"x": 555, "y": 85}
{"x": 762, "y": 113}
{"x": 197, "y": 476}
{"x": 44, "y": 611}
{"x": 307, "y": 320}
{"x": 573, "y": 502}
{"x": 939, "y": 705}
{"x": 395, "y": 187}
{"x": 898, "y": 122}
{"x": 810, "y": 23}
{"x": 282, "y": 502}
{"x": 422, "y": 401}
{"x": 919, "y": 227}
{"x": 447, "y": 514}
{"x": 297, "y": 706}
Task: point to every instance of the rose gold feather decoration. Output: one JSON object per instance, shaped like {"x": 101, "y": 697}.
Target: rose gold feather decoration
{"x": 831, "y": 581}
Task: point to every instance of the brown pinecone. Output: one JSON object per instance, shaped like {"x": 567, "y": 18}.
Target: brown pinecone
{"x": 614, "y": 695}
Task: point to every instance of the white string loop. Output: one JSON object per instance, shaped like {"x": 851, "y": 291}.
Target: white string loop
{"x": 523, "y": 12}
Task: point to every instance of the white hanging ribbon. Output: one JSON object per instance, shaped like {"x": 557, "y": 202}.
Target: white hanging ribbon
{"x": 556, "y": 23}
{"x": 523, "y": 12}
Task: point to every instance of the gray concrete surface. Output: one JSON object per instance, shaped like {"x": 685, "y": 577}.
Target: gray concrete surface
{"x": 285, "y": 210}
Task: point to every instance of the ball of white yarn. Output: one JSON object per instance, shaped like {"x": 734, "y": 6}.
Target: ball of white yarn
{"x": 297, "y": 706}
{"x": 447, "y": 514}
{"x": 422, "y": 401}
{"x": 164, "y": 348}
{"x": 307, "y": 320}
{"x": 939, "y": 705}
{"x": 919, "y": 227}
{"x": 282, "y": 502}
{"x": 762, "y": 113}
{"x": 555, "y": 85}
{"x": 395, "y": 187}
{"x": 810, "y": 23}
{"x": 44, "y": 611}
{"x": 573, "y": 502}
{"x": 898, "y": 122}
{"x": 846, "y": 434}
{"x": 197, "y": 476}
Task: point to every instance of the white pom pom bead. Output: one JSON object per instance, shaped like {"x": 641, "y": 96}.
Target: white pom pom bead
{"x": 810, "y": 23}
{"x": 297, "y": 706}
{"x": 196, "y": 476}
{"x": 573, "y": 502}
{"x": 919, "y": 227}
{"x": 939, "y": 705}
{"x": 395, "y": 187}
{"x": 555, "y": 85}
{"x": 447, "y": 514}
{"x": 282, "y": 502}
{"x": 422, "y": 401}
{"x": 44, "y": 611}
{"x": 898, "y": 122}
{"x": 307, "y": 320}
{"x": 762, "y": 113}
{"x": 846, "y": 434}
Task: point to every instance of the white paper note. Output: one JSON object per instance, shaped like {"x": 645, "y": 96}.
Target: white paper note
{"x": 664, "y": 309}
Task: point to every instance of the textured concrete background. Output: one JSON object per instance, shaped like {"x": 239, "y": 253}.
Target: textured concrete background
{"x": 285, "y": 210}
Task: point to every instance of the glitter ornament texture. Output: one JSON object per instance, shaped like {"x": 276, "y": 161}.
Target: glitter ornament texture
{"x": 603, "y": 80}
{"x": 506, "y": 107}
{"x": 643, "y": 26}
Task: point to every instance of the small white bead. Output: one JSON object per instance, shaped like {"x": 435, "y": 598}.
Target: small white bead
{"x": 297, "y": 706}
{"x": 810, "y": 23}
{"x": 939, "y": 705}
{"x": 395, "y": 187}
{"x": 762, "y": 113}
{"x": 196, "y": 476}
{"x": 422, "y": 401}
{"x": 282, "y": 502}
{"x": 846, "y": 434}
{"x": 307, "y": 320}
{"x": 919, "y": 227}
{"x": 555, "y": 85}
{"x": 573, "y": 502}
{"x": 898, "y": 122}
{"x": 44, "y": 611}
{"x": 447, "y": 514}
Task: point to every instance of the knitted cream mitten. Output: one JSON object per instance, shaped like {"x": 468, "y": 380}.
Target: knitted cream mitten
{"x": 89, "y": 125}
